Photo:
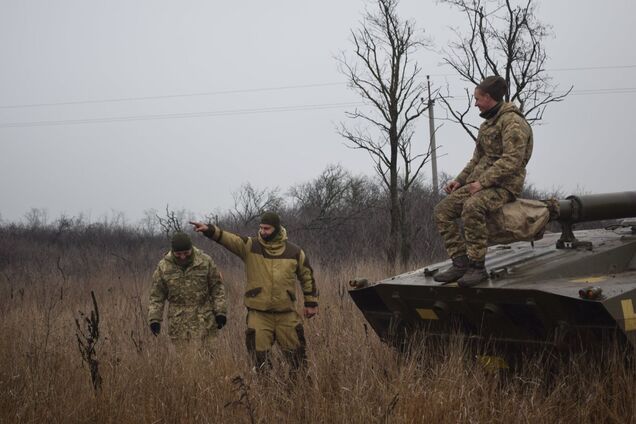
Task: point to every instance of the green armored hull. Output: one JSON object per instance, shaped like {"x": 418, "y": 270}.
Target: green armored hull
{"x": 536, "y": 295}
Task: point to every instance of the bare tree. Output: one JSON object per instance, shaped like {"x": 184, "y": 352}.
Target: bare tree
{"x": 386, "y": 78}
{"x": 173, "y": 222}
{"x": 149, "y": 224}
{"x": 250, "y": 203}
{"x": 506, "y": 40}
{"x": 332, "y": 199}
{"x": 36, "y": 218}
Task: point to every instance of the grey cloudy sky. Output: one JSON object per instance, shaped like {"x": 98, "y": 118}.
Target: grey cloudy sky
{"x": 131, "y": 105}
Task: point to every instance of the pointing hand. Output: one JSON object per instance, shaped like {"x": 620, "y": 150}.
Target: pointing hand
{"x": 199, "y": 227}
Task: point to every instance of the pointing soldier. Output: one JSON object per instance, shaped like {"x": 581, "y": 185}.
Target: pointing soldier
{"x": 189, "y": 281}
{"x": 493, "y": 177}
{"x": 272, "y": 267}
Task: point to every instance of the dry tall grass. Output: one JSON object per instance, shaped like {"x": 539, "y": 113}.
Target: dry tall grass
{"x": 353, "y": 376}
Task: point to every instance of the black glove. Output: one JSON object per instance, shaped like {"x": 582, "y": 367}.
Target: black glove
{"x": 209, "y": 233}
{"x": 155, "y": 327}
{"x": 220, "y": 321}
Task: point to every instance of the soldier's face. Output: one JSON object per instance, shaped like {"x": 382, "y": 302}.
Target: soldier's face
{"x": 182, "y": 255}
{"x": 266, "y": 230}
{"x": 483, "y": 101}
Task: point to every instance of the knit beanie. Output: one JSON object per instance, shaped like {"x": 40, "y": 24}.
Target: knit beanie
{"x": 494, "y": 86}
{"x": 271, "y": 218}
{"x": 181, "y": 242}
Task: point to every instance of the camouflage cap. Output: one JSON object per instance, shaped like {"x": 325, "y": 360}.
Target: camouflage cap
{"x": 271, "y": 218}
{"x": 495, "y": 86}
{"x": 181, "y": 242}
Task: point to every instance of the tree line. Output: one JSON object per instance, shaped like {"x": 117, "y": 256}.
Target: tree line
{"x": 337, "y": 217}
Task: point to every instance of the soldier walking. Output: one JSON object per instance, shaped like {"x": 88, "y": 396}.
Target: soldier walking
{"x": 493, "y": 177}
{"x": 272, "y": 267}
{"x": 189, "y": 281}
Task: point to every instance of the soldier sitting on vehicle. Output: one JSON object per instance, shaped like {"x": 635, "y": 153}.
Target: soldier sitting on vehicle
{"x": 493, "y": 177}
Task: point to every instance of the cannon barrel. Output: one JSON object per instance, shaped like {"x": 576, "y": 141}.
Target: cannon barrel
{"x": 595, "y": 207}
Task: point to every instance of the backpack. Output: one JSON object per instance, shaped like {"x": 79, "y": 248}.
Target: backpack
{"x": 521, "y": 220}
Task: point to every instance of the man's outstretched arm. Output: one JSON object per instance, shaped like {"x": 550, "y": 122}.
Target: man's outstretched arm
{"x": 232, "y": 242}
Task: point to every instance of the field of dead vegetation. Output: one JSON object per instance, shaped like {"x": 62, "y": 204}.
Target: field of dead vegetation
{"x": 46, "y": 349}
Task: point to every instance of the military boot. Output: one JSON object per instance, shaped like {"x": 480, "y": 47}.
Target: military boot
{"x": 475, "y": 274}
{"x": 456, "y": 271}
{"x": 262, "y": 362}
{"x": 296, "y": 358}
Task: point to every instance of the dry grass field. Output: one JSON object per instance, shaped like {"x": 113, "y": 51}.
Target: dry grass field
{"x": 352, "y": 376}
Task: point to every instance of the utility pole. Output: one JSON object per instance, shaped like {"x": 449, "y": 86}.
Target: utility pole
{"x": 431, "y": 128}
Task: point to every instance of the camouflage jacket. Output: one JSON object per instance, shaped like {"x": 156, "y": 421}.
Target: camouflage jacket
{"x": 271, "y": 269}
{"x": 195, "y": 296}
{"x": 502, "y": 151}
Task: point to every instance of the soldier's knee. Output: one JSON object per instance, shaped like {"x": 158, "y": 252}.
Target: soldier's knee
{"x": 473, "y": 207}
{"x": 441, "y": 211}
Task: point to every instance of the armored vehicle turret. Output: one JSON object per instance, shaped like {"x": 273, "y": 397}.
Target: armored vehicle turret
{"x": 570, "y": 291}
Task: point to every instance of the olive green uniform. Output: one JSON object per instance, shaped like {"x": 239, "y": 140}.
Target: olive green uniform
{"x": 195, "y": 295}
{"x": 272, "y": 269}
{"x": 502, "y": 151}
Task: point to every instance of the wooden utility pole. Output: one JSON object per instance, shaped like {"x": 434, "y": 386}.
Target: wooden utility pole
{"x": 431, "y": 128}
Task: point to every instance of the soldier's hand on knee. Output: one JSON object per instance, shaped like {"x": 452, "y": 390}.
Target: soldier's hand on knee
{"x": 221, "y": 320}
{"x": 452, "y": 186}
{"x": 155, "y": 327}
{"x": 474, "y": 187}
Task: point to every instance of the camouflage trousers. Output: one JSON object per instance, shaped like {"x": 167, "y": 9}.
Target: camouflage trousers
{"x": 472, "y": 210}
{"x": 265, "y": 328}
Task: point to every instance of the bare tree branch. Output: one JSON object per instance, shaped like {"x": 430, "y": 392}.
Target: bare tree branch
{"x": 250, "y": 203}
{"x": 507, "y": 40}
{"x": 382, "y": 73}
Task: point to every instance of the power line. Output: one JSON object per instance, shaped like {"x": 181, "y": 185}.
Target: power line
{"x": 180, "y": 115}
{"x": 626, "y": 90}
{"x": 582, "y": 92}
{"x": 256, "y": 89}
{"x": 580, "y": 68}
{"x": 172, "y": 96}
{"x": 272, "y": 109}
{"x": 593, "y": 68}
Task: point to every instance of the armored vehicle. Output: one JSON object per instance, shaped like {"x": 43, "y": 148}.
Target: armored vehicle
{"x": 572, "y": 290}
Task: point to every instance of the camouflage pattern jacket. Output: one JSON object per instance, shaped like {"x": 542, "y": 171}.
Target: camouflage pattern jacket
{"x": 195, "y": 295}
{"x": 502, "y": 151}
{"x": 272, "y": 269}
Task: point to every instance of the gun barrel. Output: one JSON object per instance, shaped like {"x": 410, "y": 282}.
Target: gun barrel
{"x": 595, "y": 207}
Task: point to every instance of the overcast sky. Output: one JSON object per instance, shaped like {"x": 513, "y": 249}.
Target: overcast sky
{"x": 124, "y": 106}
